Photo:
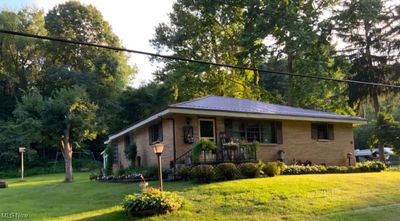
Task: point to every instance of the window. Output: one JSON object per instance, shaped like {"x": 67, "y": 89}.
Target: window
{"x": 115, "y": 153}
{"x": 322, "y": 131}
{"x": 127, "y": 140}
{"x": 261, "y": 131}
{"x": 155, "y": 133}
{"x": 207, "y": 129}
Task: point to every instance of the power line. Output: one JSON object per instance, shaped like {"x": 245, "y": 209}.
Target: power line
{"x": 261, "y": 71}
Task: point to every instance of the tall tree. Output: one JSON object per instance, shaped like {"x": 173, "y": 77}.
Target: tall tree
{"x": 363, "y": 27}
{"x": 104, "y": 73}
{"x": 64, "y": 120}
{"x": 20, "y": 58}
{"x": 204, "y": 30}
{"x": 300, "y": 44}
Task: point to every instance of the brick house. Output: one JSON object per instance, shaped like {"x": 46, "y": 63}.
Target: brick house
{"x": 284, "y": 133}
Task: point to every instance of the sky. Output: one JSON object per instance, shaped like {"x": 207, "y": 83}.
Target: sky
{"x": 134, "y": 22}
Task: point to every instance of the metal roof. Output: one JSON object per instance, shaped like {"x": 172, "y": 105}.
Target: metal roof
{"x": 218, "y": 103}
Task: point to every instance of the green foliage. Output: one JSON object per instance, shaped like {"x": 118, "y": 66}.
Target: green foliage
{"x": 226, "y": 171}
{"x": 202, "y": 145}
{"x": 151, "y": 202}
{"x": 370, "y": 48}
{"x": 50, "y": 168}
{"x": 205, "y": 30}
{"x": 110, "y": 160}
{"x": 368, "y": 166}
{"x": 387, "y": 131}
{"x": 203, "y": 173}
{"x": 272, "y": 169}
{"x": 363, "y": 135}
{"x": 249, "y": 170}
{"x": 131, "y": 152}
{"x": 184, "y": 173}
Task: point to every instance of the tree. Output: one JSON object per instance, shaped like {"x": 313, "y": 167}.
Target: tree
{"x": 20, "y": 66}
{"x": 387, "y": 133}
{"x": 64, "y": 120}
{"x": 363, "y": 26}
{"x": 131, "y": 152}
{"x": 299, "y": 44}
{"x": 204, "y": 30}
{"x": 102, "y": 72}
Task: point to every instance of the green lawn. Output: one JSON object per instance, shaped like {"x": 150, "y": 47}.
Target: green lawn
{"x": 367, "y": 196}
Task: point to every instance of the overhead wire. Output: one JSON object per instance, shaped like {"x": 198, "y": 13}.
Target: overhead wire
{"x": 259, "y": 70}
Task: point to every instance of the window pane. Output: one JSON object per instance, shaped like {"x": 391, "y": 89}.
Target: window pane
{"x": 206, "y": 129}
{"x": 253, "y": 132}
{"x": 322, "y": 131}
{"x": 267, "y": 133}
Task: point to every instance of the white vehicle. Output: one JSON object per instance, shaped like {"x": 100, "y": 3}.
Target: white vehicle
{"x": 372, "y": 154}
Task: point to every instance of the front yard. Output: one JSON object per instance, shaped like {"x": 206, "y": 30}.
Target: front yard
{"x": 361, "y": 196}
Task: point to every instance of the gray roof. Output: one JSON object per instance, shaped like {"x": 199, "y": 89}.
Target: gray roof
{"x": 218, "y": 103}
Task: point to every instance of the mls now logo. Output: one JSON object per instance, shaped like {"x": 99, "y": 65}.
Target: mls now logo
{"x": 13, "y": 215}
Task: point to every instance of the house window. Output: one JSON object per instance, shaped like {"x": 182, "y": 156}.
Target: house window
{"x": 127, "y": 140}
{"x": 155, "y": 133}
{"x": 263, "y": 132}
{"x": 207, "y": 129}
{"x": 115, "y": 154}
{"x": 322, "y": 131}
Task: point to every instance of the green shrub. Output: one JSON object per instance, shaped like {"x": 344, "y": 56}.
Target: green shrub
{"x": 110, "y": 160}
{"x": 202, "y": 145}
{"x": 249, "y": 170}
{"x": 272, "y": 169}
{"x": 369, "y": 166}
{"x": 226, "y": 171}
{"x": 150, "y": 202}
{"x": 184, "y": 173}
{"x": 202, "y": 173}
{"x": 297, "y": 169}
{"x": 131, "y": 153}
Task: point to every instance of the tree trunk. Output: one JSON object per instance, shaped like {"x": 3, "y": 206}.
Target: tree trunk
{"x": 375, "y": 102}
{"x": 67, "y": 152}
{"x": 290, "y": 98}
{"x": 381, "y": 152}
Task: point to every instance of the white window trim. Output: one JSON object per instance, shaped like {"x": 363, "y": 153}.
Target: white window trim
{"x": 210, "y": 120}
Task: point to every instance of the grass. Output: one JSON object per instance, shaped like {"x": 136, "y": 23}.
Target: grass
{"x": 363, "y": 196}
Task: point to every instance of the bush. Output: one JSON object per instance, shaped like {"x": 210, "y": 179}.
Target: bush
{"x": 110, "y": 160}
{"x": 297, "y": 169}
{"x": 202, "y": 173}
{"x": 226, "y": 171}
{"x": 150, "y": 202}
{"x": 184, "y": 173}
{"x": 249, "y": 170}
{"x": 130, "y": 153}
{"x": 202, "y": 145}
{"x": 272, "y": 169}
{"x": 369, "y": 166}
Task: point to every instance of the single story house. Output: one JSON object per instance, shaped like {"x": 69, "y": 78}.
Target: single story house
{"x": 285, "y": 133}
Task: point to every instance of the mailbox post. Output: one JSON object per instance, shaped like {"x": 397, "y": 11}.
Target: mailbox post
{"x": 22, "y": 151}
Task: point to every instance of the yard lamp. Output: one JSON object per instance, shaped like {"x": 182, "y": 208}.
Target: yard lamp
{"x": 22, "y": 151}
{"x": 158, "y": 149}
{"x": 349, "y": 156}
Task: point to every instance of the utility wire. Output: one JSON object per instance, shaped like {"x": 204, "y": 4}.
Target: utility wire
{"x": 261, "y": 71}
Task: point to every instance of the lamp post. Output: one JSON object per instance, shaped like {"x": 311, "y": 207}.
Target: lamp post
{"x": 22, "y": 151}
{"x": 349, "y": 156}
{"x": 158, "y": 149}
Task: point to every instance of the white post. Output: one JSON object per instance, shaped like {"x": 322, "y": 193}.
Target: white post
{"x": 22, "y": 150}
{"x": 22, "y": 165}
